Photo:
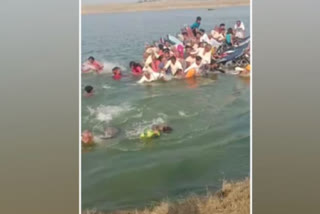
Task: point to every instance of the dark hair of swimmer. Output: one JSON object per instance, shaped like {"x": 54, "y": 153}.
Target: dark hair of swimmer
{"x": 198, "y": 58}
{"x": 202, "y": 30}
{"x": 222, "y": 25}
{"x": 166, "y": 50}
{"x": 91, "y": 58}
{"x": 132, "y": 63}
{"x": 198, "y": 18}
{"x": 88, "y": 88}
{"x": 115, "y": 68}
{"x": 167, "y": 129}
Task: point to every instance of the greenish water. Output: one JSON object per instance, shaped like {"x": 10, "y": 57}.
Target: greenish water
{"x": 210, "y": 117}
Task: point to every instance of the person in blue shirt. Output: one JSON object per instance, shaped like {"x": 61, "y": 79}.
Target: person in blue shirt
{"x": 196, "y": 25}
{"x": 229, "y": 37}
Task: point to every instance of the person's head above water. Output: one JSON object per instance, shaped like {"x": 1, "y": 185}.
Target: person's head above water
{"x": 88, "y": 89}
{"x": 116, "y": 71}
{"x": 202, "y": 31}
{"x": 131, "y": 64}
{"x": 238, "y": 23}
{"x": 91, "y": 59}
{"x": 87, "y": 137}
{"x": 162, "y": 128}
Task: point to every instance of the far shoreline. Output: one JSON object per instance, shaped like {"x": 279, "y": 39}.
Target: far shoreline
{"x": 160, "y": 6}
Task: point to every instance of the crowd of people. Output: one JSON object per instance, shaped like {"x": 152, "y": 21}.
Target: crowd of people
{"x": 194, "y": 55}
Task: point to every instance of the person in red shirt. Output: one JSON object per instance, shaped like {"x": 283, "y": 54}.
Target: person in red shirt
{"x": 93, "y": 65}
{"x": 117, "y": 75}
{"x": 136, "y": 68}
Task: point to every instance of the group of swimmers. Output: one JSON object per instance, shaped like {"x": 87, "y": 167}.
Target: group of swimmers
{"x": 194, "y": 56}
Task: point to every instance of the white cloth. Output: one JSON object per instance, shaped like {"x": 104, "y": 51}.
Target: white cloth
{"x": 239, "y": 27}
{"x": 215, "y": 43}
{"x": 217, "y": 36}
{"x": 148, "y": 61}
{"x": 239, "y": 30}
{"x": 205, "y": 38}
{"x": 153, "y": 77}
{"x": 174, "y": 67}
{"x": 190, "y": 59}
{"x": 206, "y": 56}
{"x": 195, "y": 66}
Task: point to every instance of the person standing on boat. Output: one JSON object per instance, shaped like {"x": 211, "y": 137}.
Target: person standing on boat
{"x": 239, "y": 30}
{"x": 195, "y": 26}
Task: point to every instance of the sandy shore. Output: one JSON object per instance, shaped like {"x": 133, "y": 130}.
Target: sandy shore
{"x": 161, "y": 5}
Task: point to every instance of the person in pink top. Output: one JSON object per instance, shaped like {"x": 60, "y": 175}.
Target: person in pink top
{"x": 136, "y": 68}
{"x": 155, "y": 63}
{"x": 117, "y": 74}
{"x": 92, "y": 65}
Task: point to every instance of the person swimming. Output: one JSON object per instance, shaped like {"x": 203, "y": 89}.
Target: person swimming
{"x": 87, "y": 138}
{"x": 109, "y": 133}
{"x": 156, "y": 131}
{"x": 92, "y": 65}
{"x": 88, "y": 91}
{"x": 136, "y": 68}
{"x": 117, "y": 75}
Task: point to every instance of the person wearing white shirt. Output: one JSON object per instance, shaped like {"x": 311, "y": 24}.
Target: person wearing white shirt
{"x": 206, "y": 54}
{"x": 174, "y": 65}
{"x": 196, "y": 65}
{"x": 239, "y": 29}
{"x": 204, "y": 37}
{"x": 218, "y": 33}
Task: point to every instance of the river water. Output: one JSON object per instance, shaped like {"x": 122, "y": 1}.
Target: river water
{"x": 210, "y": 116}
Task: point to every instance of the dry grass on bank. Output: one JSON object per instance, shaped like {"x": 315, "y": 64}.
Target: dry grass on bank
{"x": 233, "y": 198}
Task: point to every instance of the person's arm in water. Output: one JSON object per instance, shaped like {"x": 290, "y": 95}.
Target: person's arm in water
{"x": 99, "y": 65}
